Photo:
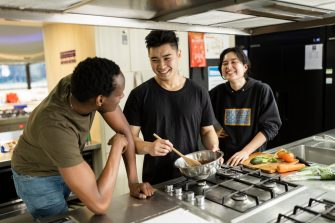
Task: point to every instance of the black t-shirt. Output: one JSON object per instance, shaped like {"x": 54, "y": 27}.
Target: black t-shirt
{"x": 173, "y": 115}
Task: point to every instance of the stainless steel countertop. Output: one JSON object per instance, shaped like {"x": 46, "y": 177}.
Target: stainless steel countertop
{"x": 127, "y": 209}
{"x": 328, "y": 185}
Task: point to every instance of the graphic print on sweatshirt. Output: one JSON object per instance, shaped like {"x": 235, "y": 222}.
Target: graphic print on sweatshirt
{"x": 237, "y": 116}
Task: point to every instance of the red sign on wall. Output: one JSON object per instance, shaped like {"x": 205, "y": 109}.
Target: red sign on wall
{"x": 197, "y": 49}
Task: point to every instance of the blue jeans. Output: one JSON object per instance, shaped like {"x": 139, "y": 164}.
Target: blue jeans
{"x": 43, "y": 196}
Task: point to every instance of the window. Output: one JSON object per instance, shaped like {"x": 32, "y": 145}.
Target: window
{"x": 37, "y": 75}
{"x": 13, "y": 76}
{"x": 16, "y": 76}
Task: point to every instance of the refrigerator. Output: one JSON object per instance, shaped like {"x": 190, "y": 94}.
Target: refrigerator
{"x": 304, "y": 89}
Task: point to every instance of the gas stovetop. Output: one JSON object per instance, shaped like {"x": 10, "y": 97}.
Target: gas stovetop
{"x": 238, "y": 194}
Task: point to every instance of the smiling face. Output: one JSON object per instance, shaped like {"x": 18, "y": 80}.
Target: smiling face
{"x": 232, "y": 68}
{"x": 164, "y": 61}
{"x": 110, "y": 103}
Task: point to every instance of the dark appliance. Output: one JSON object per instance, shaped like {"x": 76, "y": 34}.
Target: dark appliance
{"x": 304, "y": 98}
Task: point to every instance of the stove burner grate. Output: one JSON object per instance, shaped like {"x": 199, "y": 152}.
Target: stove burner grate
{"x": 328, "y": 213}
{"x": 237, "y": 188}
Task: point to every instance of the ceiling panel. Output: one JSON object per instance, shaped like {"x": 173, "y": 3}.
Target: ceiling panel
{"x": 182, "y": 15}
{"x": 57, "y": 5}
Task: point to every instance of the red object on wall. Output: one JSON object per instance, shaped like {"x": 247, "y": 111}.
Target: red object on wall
{"x": 12, "y": 98}
{"x": 197, "y": 49}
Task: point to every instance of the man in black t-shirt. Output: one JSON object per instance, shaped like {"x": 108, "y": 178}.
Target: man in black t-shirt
{"x": 170, "y": 105}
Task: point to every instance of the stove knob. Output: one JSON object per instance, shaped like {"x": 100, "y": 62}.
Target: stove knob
{"x": 178, "y": 191}
{"x": 189, "y": 195}
{"x": 200, "y": 200}
{"x": 169, "y": 188}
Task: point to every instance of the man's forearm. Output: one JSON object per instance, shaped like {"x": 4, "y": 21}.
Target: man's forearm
{"x": 141, "y": 146}
{"x": 129, "y": 157}
{"x": 209, "y": 139}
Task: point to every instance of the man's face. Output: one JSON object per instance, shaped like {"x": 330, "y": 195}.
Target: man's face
{"x": 112, "y": 101}
{"x": 164, "y": 61}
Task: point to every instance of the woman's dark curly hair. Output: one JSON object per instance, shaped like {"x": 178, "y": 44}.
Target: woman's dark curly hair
{"x": 240, "y": 55}
{"x": 92, "y": 77}
{"x": 157, "y": 38}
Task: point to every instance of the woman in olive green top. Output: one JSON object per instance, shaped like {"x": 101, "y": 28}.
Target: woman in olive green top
{"x": 47, "y": 161}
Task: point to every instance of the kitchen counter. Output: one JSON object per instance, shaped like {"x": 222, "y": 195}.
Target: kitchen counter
{"x": 164, "y": 208}
{"x": 328, "y": 185}
{"x": 125, "y": 208}
{"x": 13, "y": 124}
{"x": 5, "y": 158}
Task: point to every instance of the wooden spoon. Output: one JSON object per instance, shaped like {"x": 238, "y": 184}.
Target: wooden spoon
{"x": 189, "y": 161}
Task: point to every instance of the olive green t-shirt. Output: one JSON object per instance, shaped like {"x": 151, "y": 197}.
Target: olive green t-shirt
{"x": 54, "y": 135}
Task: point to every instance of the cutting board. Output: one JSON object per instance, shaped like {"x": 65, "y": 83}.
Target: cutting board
{"x": 266, "y": 167}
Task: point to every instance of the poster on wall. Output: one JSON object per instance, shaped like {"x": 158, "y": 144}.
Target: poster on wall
{"x": 197, "y": 49}
{"x": 215, "y": 44}
{"x": 313, "y": 56}
{"x": 214, "y": 77}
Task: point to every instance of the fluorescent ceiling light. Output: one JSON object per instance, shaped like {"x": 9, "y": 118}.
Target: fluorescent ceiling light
{"x": 252, "y": 23}
{"x": 210, "y": 17}
{"x": 308, "y": 2}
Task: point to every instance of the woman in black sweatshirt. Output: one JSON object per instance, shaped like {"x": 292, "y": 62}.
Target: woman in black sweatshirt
{"x": 245, "y": 108}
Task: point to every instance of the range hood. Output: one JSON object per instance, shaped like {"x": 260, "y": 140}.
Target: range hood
{"x": 242, "y": 17}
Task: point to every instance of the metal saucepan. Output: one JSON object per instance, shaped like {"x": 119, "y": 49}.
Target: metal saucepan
{"x": 210, "y": 163}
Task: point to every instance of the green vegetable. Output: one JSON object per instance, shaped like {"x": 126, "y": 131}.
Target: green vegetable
{"x": 327, "y": 174}
{"x": 324, "y": 172}
{"x": 263, "y": 159}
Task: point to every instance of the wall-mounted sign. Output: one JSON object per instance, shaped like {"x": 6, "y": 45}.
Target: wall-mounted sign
{"x": 215, "y": 44}
{"x": 67, "y": 57}
{"x": 313, "y": 56}
{"x": 197, "y": 49}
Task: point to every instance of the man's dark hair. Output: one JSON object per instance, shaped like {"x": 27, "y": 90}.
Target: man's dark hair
{"x": 157, "y": 38}
{"x": 240, "y": 55}
{"x": 92, "y": 77}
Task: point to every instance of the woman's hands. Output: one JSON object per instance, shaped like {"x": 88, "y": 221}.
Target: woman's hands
{"x": 238, "y": 158}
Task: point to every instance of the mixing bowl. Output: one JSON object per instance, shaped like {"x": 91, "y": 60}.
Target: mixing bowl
{"x": 210, "y": 163}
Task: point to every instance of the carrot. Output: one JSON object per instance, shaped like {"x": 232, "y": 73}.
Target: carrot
{"x": 283, "y": 168}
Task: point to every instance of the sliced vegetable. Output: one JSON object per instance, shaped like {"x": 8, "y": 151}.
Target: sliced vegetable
{"x": 280, "y": 153}
{"x": 285, "y": 155}
{"x": 263, "y": 159}
{"x": 288, "y": 157}
{"x": 259, "y": 160}
{"x": 283, "y": 168}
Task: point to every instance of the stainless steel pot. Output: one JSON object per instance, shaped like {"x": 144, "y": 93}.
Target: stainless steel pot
{"x": 210, "y": 160}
